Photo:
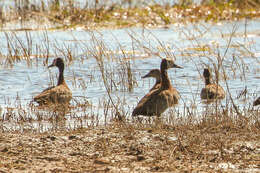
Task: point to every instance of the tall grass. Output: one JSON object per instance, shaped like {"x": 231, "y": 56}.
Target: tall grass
{"x": 119, "y": 74}
{"x": 91, "y": 14}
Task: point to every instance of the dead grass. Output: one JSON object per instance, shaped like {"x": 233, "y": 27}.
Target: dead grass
{"x": 222, "y": 138}
{"x": 70, "y": 14}
{"x": 129, "y": 147}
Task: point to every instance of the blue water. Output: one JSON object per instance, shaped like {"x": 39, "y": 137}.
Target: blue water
{"x": 28, "y": 78}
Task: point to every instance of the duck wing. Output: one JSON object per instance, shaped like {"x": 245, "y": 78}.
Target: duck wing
{"x": 212, "y": 91}
{"x": 55, "y": 94}
{"x": 156, "y": 102}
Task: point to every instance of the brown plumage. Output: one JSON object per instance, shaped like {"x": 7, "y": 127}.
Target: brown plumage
{"x": 256, "y": 102}
{"x": 56, "y": 94}
{"x": 158, "y": 100}
{"x": 211, "y": 90}
{"x": 155, "y": 73}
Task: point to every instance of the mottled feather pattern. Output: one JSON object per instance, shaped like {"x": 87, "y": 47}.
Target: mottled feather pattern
{"x": 158, "y": 100}
{"x": 56, "y": 94}
{"x": 212, "y": 91}
{"x": 61, "y": 93}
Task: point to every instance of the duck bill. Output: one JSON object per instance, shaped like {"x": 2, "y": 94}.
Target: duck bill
{"x": 51, "y": 65}
{"x": 176, "y": 66}
{"x": 145, "y": 76}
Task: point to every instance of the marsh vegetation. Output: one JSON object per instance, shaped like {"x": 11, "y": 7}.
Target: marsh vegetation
{"x": 90, "y": 14}
{"x": 103, "y": 70}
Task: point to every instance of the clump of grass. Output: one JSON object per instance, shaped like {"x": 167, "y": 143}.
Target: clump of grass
{"x": 137, "y": 147}
{"x": 188, "y": 140}
{"x": 118, "y": 74}
{"x": 69, "y": 14}
{"x": 114, "y": 75}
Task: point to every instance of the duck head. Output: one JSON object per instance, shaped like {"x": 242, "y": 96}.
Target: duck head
{"x": 169, "y": 63}
{"x": 206, "y": 73}
{"x": 155, "y": 73}
{"x": 58, "y": 62}
{"x": 207, "y": 76}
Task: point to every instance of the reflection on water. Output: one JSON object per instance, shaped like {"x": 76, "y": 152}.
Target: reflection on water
{"x": 24, "y": 79}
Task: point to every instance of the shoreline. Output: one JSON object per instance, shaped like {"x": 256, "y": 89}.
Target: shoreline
{"x": 125, "y": 147}
{"x": 154, "y": 16}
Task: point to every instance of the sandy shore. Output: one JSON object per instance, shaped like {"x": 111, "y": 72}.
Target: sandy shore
{"x": 124, "y": 147}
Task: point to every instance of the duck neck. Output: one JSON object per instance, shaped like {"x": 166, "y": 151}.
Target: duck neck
{"x": 207, "y": 81}
{"x": 165, "y": 83}
{"x": 61, "y": 77}
{"x": 158, "y": 80}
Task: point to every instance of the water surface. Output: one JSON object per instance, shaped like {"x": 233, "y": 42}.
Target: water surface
{"x": 193, "y": 46}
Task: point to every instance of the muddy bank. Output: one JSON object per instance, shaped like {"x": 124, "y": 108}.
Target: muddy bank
{"x": 133, "y": 148}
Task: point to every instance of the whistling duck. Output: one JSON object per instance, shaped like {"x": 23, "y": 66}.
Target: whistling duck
{"x": 256, "y": 102}
{"x": 56, "y": 94}
{"x": 211, "y": 91}
{"x": 158, "y": 100}
{"x": 155, "y": 73}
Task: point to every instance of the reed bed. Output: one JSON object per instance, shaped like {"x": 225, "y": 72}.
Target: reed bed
{"x": 57, "y": 14}
{"x": 117, "y": 70}
{"x": 87, "y": 136}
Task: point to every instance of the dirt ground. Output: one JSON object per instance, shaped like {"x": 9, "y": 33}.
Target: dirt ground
{"x": 124, "y": 147}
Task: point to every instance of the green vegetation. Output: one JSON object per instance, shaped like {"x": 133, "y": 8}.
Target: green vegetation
{"x": 69, "y": 14}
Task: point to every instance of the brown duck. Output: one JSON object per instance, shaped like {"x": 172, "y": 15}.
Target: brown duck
{"x": 158, "y": 100}
{"x": 155, "y": 73}
{"x": 57, "y": 94}
{"x": 256, "y": 102}
{"x": 211, "y": 90}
